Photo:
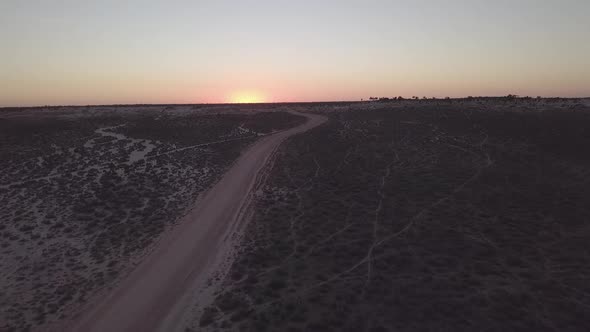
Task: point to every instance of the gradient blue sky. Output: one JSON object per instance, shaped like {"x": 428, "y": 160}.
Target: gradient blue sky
{"x": 103, "y": 52}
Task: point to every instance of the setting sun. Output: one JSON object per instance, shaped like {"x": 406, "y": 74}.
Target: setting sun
{"x": 247, "y": 97}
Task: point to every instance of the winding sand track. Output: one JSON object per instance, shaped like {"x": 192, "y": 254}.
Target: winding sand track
{"x": 147, "y": 297}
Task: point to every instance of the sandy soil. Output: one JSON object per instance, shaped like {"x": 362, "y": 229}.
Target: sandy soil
{"x": 186, "y": 257}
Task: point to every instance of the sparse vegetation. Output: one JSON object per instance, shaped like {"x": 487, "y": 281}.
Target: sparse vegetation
{"x": 400, "y": 215}
{"x": 418, "y": 215}
{"x": 84, "y": 191}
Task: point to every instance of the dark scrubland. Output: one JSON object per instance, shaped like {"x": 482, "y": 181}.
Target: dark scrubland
{"x": 85, "y": 191}
{"x": 420, "y": 216}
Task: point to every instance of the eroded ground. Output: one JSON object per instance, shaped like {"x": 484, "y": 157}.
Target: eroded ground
{"x": 85, "y": 191}
{"x": 421, "y": 216}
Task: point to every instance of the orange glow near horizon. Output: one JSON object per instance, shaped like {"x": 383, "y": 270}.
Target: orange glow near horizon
{"x": 247, "y": 97}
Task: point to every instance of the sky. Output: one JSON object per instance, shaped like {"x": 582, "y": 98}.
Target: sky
{"x": 126, "y": 52}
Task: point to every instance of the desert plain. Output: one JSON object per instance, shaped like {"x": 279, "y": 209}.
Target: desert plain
{"x": 392, "y": 215}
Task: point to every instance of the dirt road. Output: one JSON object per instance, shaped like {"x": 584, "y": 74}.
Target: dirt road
{"x": 185, "y": 257}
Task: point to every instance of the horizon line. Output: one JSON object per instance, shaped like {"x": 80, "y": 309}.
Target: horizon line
{"x": 288, "y": 102}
